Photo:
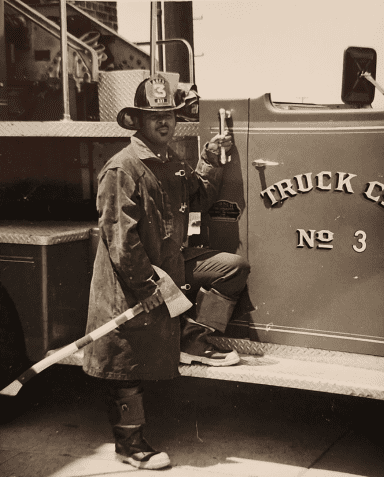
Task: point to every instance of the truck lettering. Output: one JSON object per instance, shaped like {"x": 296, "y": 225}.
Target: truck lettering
{"x": 344, "y": 181}
{"x": 371, "y": 186}
{"x": 300, "y": 184}
{"x": 362, "y": 240}
{"x": 322, "y": 236}
{"x": 303, "y": 183}
{"x": 320, "y": 180}
{"x": 303, "y": 235}
{"x": 271, "y": 197}
{"x": 288, "y": 188}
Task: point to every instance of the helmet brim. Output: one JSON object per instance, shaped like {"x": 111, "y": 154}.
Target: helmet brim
{"x": 125, "y": 117}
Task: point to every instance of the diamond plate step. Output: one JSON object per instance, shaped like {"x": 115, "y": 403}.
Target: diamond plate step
{"x": 288, "y": 366}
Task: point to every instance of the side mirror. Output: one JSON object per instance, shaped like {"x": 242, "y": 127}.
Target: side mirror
{"x": 356, "y": 89}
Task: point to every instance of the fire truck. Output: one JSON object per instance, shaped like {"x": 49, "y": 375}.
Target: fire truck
{"x": 302, "y": 199}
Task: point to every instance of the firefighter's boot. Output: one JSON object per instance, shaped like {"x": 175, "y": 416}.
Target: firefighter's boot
{"x": 126, "y": 415}
{"x": 213, "y": 312}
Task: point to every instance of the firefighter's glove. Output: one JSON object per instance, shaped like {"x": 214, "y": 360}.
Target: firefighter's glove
{"x": 152, "y": 301}
{"x": 213, "y": 147}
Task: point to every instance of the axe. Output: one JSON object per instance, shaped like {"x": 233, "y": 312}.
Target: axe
{"x": 176, "y": 302}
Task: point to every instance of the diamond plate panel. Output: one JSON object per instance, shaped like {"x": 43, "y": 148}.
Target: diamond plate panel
{"x": 117, "y": 91}
{"x": 44, "y": 233}
{"x": 359, "y": 375}
{"x": 283, "y": 372}
{"x": 243, "y": 346}
{"x": 79, "y": 129}
{"x": 187, "y": 130}
{"x": 61, "y": 129}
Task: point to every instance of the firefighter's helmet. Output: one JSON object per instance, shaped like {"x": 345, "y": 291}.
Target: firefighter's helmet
{"x": 159, "y": 92}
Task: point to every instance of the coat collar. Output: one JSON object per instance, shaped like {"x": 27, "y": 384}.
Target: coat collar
{"x": 139, "y": 152}
{"x": 145, "y": 150}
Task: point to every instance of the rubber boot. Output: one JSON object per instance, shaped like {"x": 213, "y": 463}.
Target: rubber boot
{"x": 126, "y": 415}
{"x": 213, "y": 312}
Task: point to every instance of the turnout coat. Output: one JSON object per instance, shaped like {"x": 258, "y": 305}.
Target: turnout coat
{"x": 143, "y": 207}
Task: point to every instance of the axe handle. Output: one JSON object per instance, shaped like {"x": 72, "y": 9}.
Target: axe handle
{"x": 223, "y": 157}
{"x": 62, "y": 353}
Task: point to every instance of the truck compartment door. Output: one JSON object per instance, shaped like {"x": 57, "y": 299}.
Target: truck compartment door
{"x": 315, "y": 221}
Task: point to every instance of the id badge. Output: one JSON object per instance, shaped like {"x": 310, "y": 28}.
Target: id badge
{"x": 194, "y": 224}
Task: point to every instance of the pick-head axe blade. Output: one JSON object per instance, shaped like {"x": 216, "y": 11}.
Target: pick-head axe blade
{"x": 176, "y": 303}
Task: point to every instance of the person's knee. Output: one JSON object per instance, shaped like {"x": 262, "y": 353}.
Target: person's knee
{"x": 242, "y": 265}
{"x": 234, "y": 280}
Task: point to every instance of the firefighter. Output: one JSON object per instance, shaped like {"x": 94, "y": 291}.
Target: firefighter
{"x": 145, "y": 193}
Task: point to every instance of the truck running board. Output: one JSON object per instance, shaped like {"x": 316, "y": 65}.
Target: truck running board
{"x": 293, "y": 367}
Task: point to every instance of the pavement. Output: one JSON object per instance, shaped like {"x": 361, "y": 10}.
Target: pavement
{"x": 57, "y": 427}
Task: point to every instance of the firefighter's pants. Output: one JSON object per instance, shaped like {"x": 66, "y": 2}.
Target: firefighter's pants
{"x": 224, "y": 276}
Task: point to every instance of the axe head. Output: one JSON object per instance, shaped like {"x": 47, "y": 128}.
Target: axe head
{"x": 177, "y": 303}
